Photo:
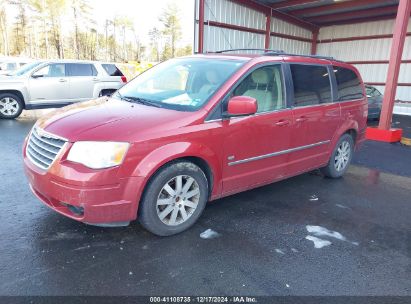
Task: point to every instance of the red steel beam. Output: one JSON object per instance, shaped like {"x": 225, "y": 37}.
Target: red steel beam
{"x": 397, "y": 46}
{"x": 372, "y": 12}
{"x": 291, "y": 3}
{"x": 201, "y": 27}
{"x": 314, "y": 43}
{"x": 267, "y": 31}
{"x": 359, "y": 20}
{"x": 255, "y": 31}
{"x": 235, "y": 27}
{"x": 376, "y": 61}
{"x": 334, "y": 6}
{"x": 400, "y": 84}
{"x": 358, "y": 38}
{"x": 277, "y": 14}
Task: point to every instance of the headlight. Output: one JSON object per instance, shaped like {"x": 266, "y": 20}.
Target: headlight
{"x": 98, "y": 154}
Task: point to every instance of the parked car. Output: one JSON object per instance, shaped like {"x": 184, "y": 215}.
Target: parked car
{"x": 10, "y": 64}
{"x": 195, "y": 129}
{"x": 374, "y": 102}
{"x": 57, "y": 83}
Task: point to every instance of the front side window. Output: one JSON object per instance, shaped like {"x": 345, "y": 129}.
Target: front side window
{"x": 265, "y": 84}
{"x": 348, "y": 84}
{"x": 183, "y": 84}
{"x": 373, "y": 92}
{"x": 81, "y": 69}
{"x": 26, "y": 68}
{"x": 51, "y": 70}
{"x": 312, "y": 85}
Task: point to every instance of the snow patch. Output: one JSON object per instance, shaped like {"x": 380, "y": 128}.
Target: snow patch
{"x": 321, "y": 231}
{"x": 318, "y": 243}
{"x": 279, "y": 251}
{"x": 209, "y": 234}
{"x": 342, "y": 206}
{"x": 313, "y": 198}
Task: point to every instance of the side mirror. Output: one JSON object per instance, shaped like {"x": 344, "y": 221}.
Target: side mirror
{"x": 37, "y": 75}
{"x": 241, "y": 106}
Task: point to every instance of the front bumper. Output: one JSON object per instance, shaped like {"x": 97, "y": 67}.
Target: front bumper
{"x": 77, "y": 194}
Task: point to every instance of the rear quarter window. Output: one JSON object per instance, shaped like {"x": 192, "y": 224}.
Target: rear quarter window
{"x": 81, "y": 69}
{"x": 348, "y": 84}
{"x": 112, "y": 70}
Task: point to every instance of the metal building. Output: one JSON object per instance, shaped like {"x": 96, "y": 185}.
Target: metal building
{"x": 367, "y": 33}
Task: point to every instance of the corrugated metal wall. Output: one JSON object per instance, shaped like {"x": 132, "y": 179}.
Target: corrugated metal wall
{"x": 225, "y": 11}
{"x": 368, "y": 50}
{"x": 288, "y": 45}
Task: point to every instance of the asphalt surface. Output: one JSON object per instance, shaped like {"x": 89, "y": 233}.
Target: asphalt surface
{"x": 260, "y": 247}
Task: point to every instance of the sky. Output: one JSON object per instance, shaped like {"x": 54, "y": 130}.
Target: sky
{"x": 145, "y": 14}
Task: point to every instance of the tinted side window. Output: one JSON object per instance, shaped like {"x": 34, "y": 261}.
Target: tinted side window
{"x": 266, "y": 86}
{"x": 348, "y": 84}
{"x": 112, "y": 70}
{"x": 312, "y": 85}
{"x": 80, "y": 69}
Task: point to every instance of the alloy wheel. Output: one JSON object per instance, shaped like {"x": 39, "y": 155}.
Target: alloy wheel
{"x": 9, "y": 106}
{"x": 342, "y": 157}
{"x": 177, "y": 200}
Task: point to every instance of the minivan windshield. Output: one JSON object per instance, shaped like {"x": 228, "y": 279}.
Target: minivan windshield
{"x": 25, "y": 68}
{"x": 183, "y": 84}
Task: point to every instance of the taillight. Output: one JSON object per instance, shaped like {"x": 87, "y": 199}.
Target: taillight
{"x": 124, "y": 79}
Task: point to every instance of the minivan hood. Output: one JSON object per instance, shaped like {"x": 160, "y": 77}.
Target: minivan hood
{"x": 109, "y": 119}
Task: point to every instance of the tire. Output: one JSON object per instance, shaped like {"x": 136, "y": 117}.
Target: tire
{"x": 106, "y": 92}
{"x": 165, "y": 211}
{"x": 11, "y": 106}
{"x": 340, "y": 158}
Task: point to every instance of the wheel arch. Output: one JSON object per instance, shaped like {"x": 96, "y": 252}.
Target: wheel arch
{"x": 15, "y": 92}
{"x": 200, "y": 155}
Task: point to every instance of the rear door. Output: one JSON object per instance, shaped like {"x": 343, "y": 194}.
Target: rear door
{"x": 255, "y": 147}
{"x": 82, "y": 78}
{"x": 49, "y": 84}
{"x": 316, "y": 116}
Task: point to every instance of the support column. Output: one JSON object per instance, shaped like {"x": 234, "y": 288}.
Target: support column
{"x": 267, "y": 31}
{"x": 201, "y": 26}
{"x": 384, "y": 131}
{"x": 314, "y": 42}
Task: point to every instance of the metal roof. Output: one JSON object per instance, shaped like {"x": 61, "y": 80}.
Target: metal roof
{"x": 332, "y": 12}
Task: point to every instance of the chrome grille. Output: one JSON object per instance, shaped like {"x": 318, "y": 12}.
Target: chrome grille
{"x": 43, "y": 148}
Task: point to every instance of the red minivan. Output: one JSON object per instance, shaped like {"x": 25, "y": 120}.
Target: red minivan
{"x": 195, "y": 129}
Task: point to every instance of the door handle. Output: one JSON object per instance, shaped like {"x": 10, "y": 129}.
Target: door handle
{"x": 96, "y": 79}
{"x": 281, "y": 123}
{"x": 301, "y": 119}
{"x": 62, "y": 80}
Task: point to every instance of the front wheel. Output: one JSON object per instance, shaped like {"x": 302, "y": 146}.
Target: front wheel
{"x": 174, "y": 199}
{"x": 340, "y": 158}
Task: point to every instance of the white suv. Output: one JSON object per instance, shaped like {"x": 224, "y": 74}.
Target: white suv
{"x": 52, "y": 84}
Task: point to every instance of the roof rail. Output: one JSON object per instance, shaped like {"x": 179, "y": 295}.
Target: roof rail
{"x": 299, "y": 55}
{"x": 236, "y": 50}
{"x": 270, "y": 52}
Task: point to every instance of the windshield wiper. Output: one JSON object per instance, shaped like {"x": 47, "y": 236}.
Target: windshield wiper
{"x": 140, "y": 100}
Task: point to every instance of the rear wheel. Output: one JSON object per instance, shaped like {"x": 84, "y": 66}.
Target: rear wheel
{"x": 340, "y": 158}
{"x": 11, "y": 106}
{"x": 174, "y": 199}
